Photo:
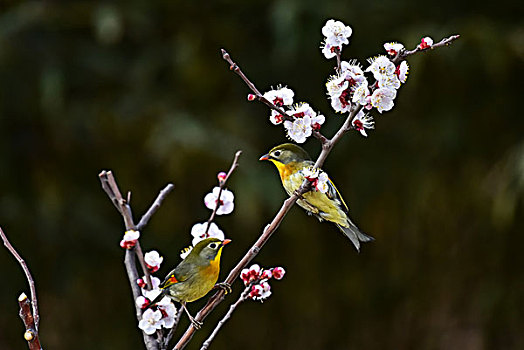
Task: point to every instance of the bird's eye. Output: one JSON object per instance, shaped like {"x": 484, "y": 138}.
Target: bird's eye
{"x": 276, "y": 153}
{"x": 213, "y": 246}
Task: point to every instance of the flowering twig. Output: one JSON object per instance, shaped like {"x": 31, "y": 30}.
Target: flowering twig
{"x": 327, "y": 146}
{"x": 30, "y": 316}
{"x": 122, "y": 205}
{"x": 402, "y": 55}
{"x": 235, "y": 68}
{"x": 226, "y": 317}
{"x": 222, "y": 185}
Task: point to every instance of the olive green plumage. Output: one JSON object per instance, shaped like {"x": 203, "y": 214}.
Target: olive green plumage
{"x": 291, "y": 160}
{"x": 196, "y": 275}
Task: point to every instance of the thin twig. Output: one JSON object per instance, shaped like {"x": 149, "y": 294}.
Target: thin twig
{"x": 28, "y": 276}
{"x": 406, "y": 53}
{"x": 226, "y": 317}
{"x": 31, "y": 334}
{"x": 154, "y": 207}
{"x": 222, "y": 185}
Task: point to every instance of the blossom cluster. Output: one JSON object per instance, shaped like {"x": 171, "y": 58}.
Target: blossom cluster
{"x": 352, "y": 88}
{"x": 257, "y": 279}
{"x": 223, "y": 201}
{"x": 335, "y": 34}
{"x": 162, "y": 313}
{"x": 299, "y": 119}
{"x": 318, "y": 178}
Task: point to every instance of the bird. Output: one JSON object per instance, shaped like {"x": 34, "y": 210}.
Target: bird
{"x": 291, "y": 161}
{"x": 195, "y": 276}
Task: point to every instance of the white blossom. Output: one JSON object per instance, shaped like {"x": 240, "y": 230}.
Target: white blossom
{"x": 168, "y": 310}
{"x": 153, "y": 260}
{"x": 321, "y": 184}
{"x": 403, "y": 70}
{"x": 382, "y": 99}
{"x": 260, "y": 291}
{"x": 155, "y": 281}
{"x": 342, "y": 104}
{"x": 361, "y": 122}
{"x": 335, "y": 85}
{"x": 226, "y": 201}
{"x": 328, "y": 50}
{"x": 142, "y": 302}
{"x": 425, "y": 43}
{"x": 130, "y": 238}
{"x": 317, "y": 121}
{"x": 352, "y": 72}
{"x": 150, "y": 321}
{"x": 302, "y": 109}
{"x": 299, "y": 130}
{"x": 281, "y": 96}
{"x": 389, "y": 82}
{"x": 381, "y": 66}
{"x": 393, "y": 48}
{"x": 152, "y": 294}
{"x": 275, "y": 117}
{"x": 198, "y": 231}
{"x": 311, "y": 173}
{"x": 361, "y": 93}
{"x": 336, "y": 32}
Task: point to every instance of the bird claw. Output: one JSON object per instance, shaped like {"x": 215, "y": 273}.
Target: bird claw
{"x": 196, "y": 324}
{"x": 226, "y": 287}
{"x": 298, "y": 194}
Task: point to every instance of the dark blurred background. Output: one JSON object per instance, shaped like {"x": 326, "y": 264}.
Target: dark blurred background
{"x": 140, "y": 88}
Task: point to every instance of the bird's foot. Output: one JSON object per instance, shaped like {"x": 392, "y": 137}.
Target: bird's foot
{"x": 298, "y": 194}
{"x": 226, "y": 287}
{"x": 196, "y": 324}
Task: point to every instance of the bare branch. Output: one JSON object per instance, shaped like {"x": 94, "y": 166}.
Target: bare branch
{"x": 31, "y": 333}
{"x": 154, "y": 207}
{"x": 29, "y": 278}
{"x": 226, "y": 317}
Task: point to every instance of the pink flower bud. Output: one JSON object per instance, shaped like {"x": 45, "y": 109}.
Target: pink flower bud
{"x": 152, "y": 269}
{"x": 256, "y": 291}
{"x": 278, "y": 273}
{"x": 128, "y": 244}
{"x": 221, "y": 176}
{"x": 141, "y": 283}
{"x": 425, "y": 43}
{"x": 266, "y": 274}
{"x": 251, "y": 97}
{"x": 244, "y": 275}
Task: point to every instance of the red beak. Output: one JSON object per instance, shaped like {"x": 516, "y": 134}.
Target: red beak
{"x": 226, "y": 241}
{"x": 264, "y": 157}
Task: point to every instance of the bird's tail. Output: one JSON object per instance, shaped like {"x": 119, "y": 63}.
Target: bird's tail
{"x": 354, "y": 234}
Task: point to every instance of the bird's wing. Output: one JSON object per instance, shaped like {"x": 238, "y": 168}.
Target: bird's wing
{"x": 179, "y": 274}
{"x": 333, "y": 194}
